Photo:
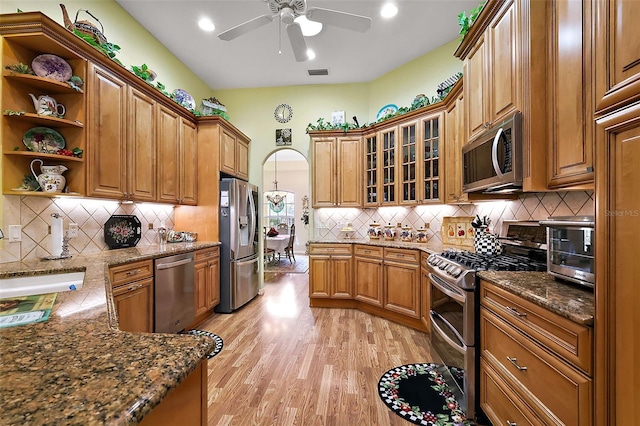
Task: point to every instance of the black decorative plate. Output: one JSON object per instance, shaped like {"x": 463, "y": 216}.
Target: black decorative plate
{"x": 122, "y": 231}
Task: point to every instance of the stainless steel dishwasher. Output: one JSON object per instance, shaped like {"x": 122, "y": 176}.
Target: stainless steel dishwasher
{"x": 174, "y": 297}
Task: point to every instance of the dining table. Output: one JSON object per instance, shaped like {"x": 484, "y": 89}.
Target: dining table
{"x": 278, "y": 243}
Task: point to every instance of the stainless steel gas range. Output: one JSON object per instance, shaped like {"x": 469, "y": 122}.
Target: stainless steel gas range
{"x": 455, "y": 309}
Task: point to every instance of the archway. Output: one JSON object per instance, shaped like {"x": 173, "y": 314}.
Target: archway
{"x": 290, "y": 170}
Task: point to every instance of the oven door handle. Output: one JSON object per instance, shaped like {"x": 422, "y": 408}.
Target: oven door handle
{"x": 446, "y": 289}
{"x": 459, "y": 345}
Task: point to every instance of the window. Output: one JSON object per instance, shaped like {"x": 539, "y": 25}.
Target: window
{"x": 271, "y": 217}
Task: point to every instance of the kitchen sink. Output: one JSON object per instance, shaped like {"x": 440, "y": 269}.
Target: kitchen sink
{"x": 40, "y": 284}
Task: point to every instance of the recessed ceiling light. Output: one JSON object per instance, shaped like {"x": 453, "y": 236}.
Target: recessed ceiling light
{"x": 309, "y": 28}
{"x": 311, "y": 54}
{"x": 206, "y": 24}
{"x": 389, "y": 10}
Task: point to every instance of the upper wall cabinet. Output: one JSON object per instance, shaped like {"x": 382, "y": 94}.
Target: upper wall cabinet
{"x": 234, "y": 153}
{"x": 617, "y": 49}
{"x": 22, "y": 44}
{"x": 336, "y": 169}
{"x": 534, "y": 56}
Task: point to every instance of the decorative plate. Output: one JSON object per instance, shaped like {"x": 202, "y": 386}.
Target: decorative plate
{"x": 184, "y": 99}
{"x": 51, "y": 66}
{"x": 122, "y": 231}
{"x": 43, "y": 139}
{"x": 386, "y": 110}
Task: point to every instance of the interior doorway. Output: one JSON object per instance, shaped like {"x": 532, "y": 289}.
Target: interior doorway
{"x": 285, "y": 183}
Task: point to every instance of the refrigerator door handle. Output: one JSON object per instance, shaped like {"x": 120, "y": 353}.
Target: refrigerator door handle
{"x": 252, "y": 217}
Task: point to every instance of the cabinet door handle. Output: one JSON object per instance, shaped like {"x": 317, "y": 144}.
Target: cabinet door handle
{"x": 514, "y": 361}
{"x": 510, "y": 423}
{"x": 136, "y": 272}
{"x": 135, "y": 287}
{"x": 515, "y": 312}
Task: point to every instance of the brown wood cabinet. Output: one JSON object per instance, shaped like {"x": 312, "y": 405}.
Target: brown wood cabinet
{"x": 207, "y": 281}
{"x": 335, "y": 170}
{"x": 521, "y": 342}
{"x": 425, "y": 292}
{"x": 141, "y": 147}
{"x": 616, "y": 290}
{"x": 369, "y": 274}
{"x": 186, "y": 404}
{"x": 132, "y": 285}
{"x": 234, "y": 153}
{"x": 330, "y": 273}
{"x": 493, "y": 72}
{"x": 570, "y": 98}
{"x": 617, "y": 53}
{"x": 401, "y": 284}
{"x": 20, "y": 46}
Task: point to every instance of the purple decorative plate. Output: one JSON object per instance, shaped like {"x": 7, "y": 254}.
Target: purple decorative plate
{"x": 51, "y": 66}
{"x": 122, "y": 230}
{"x": 184, "y": 99}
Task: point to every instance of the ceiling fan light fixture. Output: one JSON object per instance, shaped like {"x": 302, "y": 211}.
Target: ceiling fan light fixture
{"x": 309, "y": 28}
{"x": 388, "y": 10}
{"x": 287, "y": 15}
{"x": 206, "y": 24}
{"x": 311, "y": 55}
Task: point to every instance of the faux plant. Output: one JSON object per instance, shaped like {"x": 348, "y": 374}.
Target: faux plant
{"x": 107, "y": 48}
{"x": 20, "y": 68}
{"x": 144, "y": 72}
{"x": 465, "y": 21}
{"x": 76, "y": 83}
{"x": 321, "y": 125}
{"x": 12, "y": 112}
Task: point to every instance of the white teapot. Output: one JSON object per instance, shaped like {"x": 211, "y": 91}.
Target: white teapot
{"x": 51, "y": 179}
{"x": 46, "y": 105}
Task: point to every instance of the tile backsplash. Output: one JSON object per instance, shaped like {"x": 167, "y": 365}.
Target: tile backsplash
{"x": 530, "y": 206}
{"x": 34, "y": 215}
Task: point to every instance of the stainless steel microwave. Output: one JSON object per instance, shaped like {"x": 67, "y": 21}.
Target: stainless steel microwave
{"x": 570, "y": 248}
{"x": 492, "y": 162}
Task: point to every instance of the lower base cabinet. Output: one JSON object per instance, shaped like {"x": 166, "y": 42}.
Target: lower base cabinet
{"x": 207, "y": 281}
{"x": 330, "y": 271}
{"x": 186, "y": 405}
{"x": 132, "y": 286}
{"x": 524, "y": 379}
{"x": 402, "y": 281}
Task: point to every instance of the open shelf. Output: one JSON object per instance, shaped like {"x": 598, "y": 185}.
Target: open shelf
{"x": 45, "y": 120}
{"x": 44, "y": 155}
{"x": 43, "y": 194}
{"x": 42, "y": 83}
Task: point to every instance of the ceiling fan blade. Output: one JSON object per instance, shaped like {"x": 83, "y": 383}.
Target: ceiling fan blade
{"x": 245, "y": 27}
{"x": 345, "y": 20}
{"x": 298, "y": 44}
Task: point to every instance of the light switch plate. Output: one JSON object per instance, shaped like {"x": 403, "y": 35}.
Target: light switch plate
{"x": 73, "y": 230}
{"x": 15, "y": 233}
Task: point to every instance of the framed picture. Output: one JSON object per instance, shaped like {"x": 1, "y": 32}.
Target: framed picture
{"x": 337, "y": 118}
{"x": 283, "y": 137}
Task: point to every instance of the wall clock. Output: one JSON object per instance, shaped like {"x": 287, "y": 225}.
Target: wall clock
{"x": 283, "y": 113}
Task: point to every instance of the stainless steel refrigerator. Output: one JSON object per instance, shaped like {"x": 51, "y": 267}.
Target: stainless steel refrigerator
{"x": 239, "y": 261}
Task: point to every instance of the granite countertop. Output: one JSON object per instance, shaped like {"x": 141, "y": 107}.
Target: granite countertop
{"x": 78, "y": 367}
{"x": 568, "y": 300}
{"x": 428, "y": 247}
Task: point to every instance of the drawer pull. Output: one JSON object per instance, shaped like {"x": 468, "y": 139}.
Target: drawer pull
{"x": 134, "y": 287}
{"x": 514, "y": 361}
{"x": 136, "y": 272}
{"x": 515, "y": 311}
{"x": 367, "y": 251}
{"x": 510, "y": 423}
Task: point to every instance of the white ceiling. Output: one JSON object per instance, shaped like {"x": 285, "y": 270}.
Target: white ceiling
{"x": 252, "y": 60}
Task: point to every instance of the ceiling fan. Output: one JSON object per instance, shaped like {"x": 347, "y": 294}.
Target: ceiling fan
{"x": 288, "y": 10}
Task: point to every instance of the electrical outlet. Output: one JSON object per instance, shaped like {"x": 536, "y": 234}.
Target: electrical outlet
{"x": 15, "y": 233}
{"x": 399, "y": 225}
{"x": 150, "y": 225}
{"x": 73, "y": 230}
{"x": 427, "y": 225}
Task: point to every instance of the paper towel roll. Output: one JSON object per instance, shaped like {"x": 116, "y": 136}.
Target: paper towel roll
{"x": 57, "y": 233}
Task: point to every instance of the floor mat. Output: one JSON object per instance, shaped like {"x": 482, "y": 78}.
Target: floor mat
{"x": 300, "y": 266}
{"x": 215, "y": 337}
{"x": 419, "y": 394}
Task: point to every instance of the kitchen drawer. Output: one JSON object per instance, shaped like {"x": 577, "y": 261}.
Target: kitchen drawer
{"x": 500, "y": 403}
{"x": 330, "y": 249}
{"x": 203, "y": 255}
{"x": 123, "y": 274}
{"x": 368, "y": 251}
{"x": 402, "y": 255}
{"x": 562, "y": 336}
{"x": 547, "y": 383}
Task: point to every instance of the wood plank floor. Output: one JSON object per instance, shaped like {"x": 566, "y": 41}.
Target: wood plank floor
{"x": 284, "y": 363}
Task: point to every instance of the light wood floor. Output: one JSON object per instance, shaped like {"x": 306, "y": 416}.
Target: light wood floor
{"x": 284, "y": 363}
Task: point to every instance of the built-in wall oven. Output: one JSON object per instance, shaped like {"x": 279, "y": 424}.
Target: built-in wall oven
{"x": 455, "y": 311}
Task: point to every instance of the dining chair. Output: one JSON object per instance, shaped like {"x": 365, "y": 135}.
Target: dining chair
{"x": 288, "y": 250}
{"x": 269, "y": 253}
{"x": 283, "y": 228}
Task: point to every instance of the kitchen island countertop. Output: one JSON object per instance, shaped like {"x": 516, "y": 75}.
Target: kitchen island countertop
{"x": 78, "y": 367}
{"x": 568, "y": 300}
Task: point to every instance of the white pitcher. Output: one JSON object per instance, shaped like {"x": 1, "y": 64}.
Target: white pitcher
{"x": 46, "y": 105}
{"x": 50, "y": 178}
